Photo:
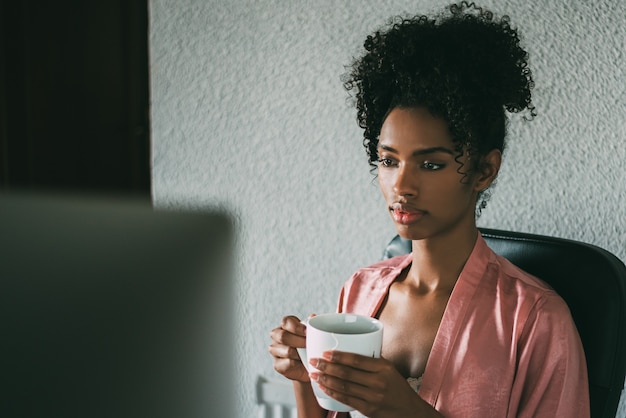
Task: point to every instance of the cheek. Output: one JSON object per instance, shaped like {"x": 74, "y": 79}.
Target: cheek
{"x": 384, "y": 184}
{"x": 461, "y": 195}
{"x": 449, "y": 191}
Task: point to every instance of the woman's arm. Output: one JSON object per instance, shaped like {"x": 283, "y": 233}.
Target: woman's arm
{"x": 291, "y": 334}
{"x": 305, "y": 401}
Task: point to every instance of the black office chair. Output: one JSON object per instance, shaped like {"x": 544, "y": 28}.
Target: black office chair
{"x": 593, "y": 283}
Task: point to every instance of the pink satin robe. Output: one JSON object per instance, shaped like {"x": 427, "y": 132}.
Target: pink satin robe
{"x": 506, "y": 345}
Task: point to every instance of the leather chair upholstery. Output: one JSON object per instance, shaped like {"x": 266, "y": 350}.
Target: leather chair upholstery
{"x": 593, "y": 283}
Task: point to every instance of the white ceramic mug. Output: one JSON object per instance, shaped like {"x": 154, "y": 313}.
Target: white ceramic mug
{"x": 342, "y": 332}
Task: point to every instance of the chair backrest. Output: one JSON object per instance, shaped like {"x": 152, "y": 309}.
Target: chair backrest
{"x": 275, "y": 398}
{"x": 592, "y": 281}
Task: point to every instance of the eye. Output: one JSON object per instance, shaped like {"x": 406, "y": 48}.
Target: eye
{"x": 430, "y": 166}
{"x": 386, "y": 162}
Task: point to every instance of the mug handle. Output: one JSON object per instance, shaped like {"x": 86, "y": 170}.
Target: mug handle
{"x": 304, "y": 358}
{"x": 302, "y": 351}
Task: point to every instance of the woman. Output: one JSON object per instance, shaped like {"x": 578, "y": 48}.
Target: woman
{"x": 467, "y": 334}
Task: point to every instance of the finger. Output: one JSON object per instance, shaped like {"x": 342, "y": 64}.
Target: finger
{"x": 289, "y": 334}
{"x": 335, "y": 372}
{"x": 293, "y": 369}
{"x": 355, "y": 361}
{"x": 281, "y": 336}
{"x": 347, "y": 392}
{"x": 294, "y": 325}
{"x": 283, "y": 351}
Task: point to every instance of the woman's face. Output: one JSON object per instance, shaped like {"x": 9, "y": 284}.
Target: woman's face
{"x": 427, "y": 192}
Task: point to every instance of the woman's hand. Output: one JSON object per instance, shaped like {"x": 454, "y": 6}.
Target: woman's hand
{"x": 372, "y": 386}
{"x": 291, "y": 334}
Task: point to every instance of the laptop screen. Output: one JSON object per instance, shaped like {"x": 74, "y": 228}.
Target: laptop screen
{"x": 112, "y": 309}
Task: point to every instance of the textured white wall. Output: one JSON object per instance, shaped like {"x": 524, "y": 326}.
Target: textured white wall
{"x": 248, "y": 113}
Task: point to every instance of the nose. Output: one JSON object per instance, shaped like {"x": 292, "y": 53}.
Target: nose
{"x": 406, "y": 182}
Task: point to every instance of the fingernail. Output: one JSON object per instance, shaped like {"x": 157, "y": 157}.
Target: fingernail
{"x": 314, "y": 376}
{"x": 328, "y": 355}
{"x": 314, "y": 362}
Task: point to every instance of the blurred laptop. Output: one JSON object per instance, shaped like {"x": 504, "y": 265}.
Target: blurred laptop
{"x": 109, "y": 308}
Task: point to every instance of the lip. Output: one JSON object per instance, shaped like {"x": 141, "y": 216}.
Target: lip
{"x": 405, "y": 215}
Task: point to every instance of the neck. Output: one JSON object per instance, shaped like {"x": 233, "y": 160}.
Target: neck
{"x": 437, "y": 262}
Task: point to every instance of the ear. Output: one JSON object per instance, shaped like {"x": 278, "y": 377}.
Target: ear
{"x": 488, "y": 169}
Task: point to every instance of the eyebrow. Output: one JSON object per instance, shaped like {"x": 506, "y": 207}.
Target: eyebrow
{"x": 424, "y": 151}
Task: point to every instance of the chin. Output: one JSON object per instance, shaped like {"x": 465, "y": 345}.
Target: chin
{"x": 411, "y": 235}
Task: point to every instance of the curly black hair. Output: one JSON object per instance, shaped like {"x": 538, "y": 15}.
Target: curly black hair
{"x": 465, "y": 66}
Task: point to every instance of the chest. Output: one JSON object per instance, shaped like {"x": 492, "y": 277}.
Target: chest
{"x": 411, "y": 323}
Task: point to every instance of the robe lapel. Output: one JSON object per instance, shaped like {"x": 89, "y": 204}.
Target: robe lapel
{"x": 453, "y": 323}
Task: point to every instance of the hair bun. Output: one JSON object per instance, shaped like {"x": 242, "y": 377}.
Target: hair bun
{"x": 496, "y": 63}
